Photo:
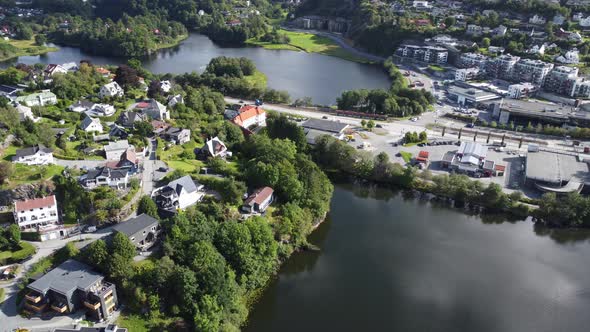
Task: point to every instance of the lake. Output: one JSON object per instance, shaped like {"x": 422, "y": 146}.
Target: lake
{"x": 301, "y": 74}
{"x": 394, "y": 264}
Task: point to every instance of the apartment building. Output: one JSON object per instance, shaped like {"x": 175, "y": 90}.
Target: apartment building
{"x": 534, "y": 71}
{"x": 562, "y": 80}
{"x": 521, "y": 90}
{"x": 466, "y": 74}
{"x": 502, "y": 66}
{"x": 72, "y": 286}
{"x": 31, "y": 213}
{"x": 430, "y": 54}
{"x": 471, "y": 60}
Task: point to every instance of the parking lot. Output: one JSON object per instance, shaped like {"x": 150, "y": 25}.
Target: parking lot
{"x": 382, "y": 141}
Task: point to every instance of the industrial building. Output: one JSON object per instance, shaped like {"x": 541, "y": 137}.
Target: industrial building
{"x": 556, "y": 172}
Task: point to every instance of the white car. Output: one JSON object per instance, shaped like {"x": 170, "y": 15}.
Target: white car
{"x": 413, "y": 119}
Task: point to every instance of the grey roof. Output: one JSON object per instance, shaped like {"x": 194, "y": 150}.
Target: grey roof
{"x": 32, "y": 150}
{"x": 325, "y": 125}
{"x": 185, "y": 182}
{"x": 137, "y": 224}
{"x": 66, "y": 278}
{"x": 88, "y": 121}
{"x": 107, "y": 172}
{"x": 118, "y": 145}
{"x": 554, "y": 168}
{"x": 83, "y": 103}
{"x": 311, "y": 135}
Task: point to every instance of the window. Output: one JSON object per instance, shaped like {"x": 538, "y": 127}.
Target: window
{"x": 52, "y": 213}
{"x": 23, "y": 218}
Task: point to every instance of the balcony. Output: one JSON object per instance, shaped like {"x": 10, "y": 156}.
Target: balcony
{"x": 33, "y": 297}
{"x": 59, "y": 307}
{"x": 92, "y": 304}
{"x": 36, "y": 307}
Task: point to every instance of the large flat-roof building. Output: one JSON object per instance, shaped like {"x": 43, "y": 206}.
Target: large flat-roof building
{"x": 72, "y": 286}
{"x": 556, "y": 172}
{"x": 314, "y": 128}
{"x": 465, "y": 94}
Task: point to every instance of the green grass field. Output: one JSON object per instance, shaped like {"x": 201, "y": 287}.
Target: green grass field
{"x": 174, "y": 159}
{"x": 407, "y": 156}
{"x": 26, "y": 250}
{"x": 25, "y": 47}
{"x": 26, "y": 174}
{"x": 308, "y": 42}
{"x": 258, "y": 80}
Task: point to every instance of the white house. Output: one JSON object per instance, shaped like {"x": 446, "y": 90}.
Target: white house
{"x": 215, "y": 148}
{"x": 558, "y": 19}
{"x": 105, "y": 176}
{"x": 81, "y": 106}
{"x": 91, "y": 125}
{"x": 111, "y": 90}
{"x": 45, "y": 97}
{"x": 249, "y": 116}
{"x": 154, "y": 109}
{"x": 101, "y": 110}
{"x": 114, "y": 150}
{"x": 35, "y": 155}
{"x": 259, "y": 201}
{"x": 473, "y": 29}
{"x": 53, "y": 69}
{"x": 70, "y": 66}
{"x": 25, "y": 112}
{"x": 537, "y": 19}
{"x": 585, "y": 22}
{"x": 421, "y": 5}
{"x": 570, "y": 57}
{"x": 537, "y": 49}
{"x": 577, "y": 17}
{"x": 31, "y": 213}
{"x": 173, "y": 100}
{"x": 166, "y": 86}
{"x": 500, "y": 31}
{"x": 179, "y": 194}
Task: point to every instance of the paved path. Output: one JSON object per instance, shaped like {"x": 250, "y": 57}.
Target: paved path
{"x": 79, "y": 163}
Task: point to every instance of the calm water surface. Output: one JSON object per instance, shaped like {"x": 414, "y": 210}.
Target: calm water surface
{"x": 389, "y": 264}
{"x": 302, "y": 74}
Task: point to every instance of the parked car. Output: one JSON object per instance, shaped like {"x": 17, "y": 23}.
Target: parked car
{"x": 325, "y": 117}
{"x": 90, "y": 229}
{"x": 163, "y": 169}
{"x": 378, "y": 126}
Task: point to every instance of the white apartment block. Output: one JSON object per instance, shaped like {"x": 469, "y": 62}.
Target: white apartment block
{"x": 31, "y": 213}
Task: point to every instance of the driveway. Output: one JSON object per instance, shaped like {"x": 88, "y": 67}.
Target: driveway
{"x": 79, "y": 163}
{"x": 8, "y": 309}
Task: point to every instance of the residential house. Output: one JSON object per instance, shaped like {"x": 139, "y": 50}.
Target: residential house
{"x": 250, "y": 116}
{"x": 25, "y": 112}
{"x": 259, "y": 201}
{"x": 45, "y": 97}
{"x": 91, "y": 125}
{"x": 118, "y": 132}
{"x": 473, "y": 29}
{"x": 177, "y": 135}
{"x": 101, "y": 110}
{"x": 70, "y": 66}
{"x": 72, "y": 286}
{"x": 128, "y": 162}
{"x": 537, "y": 19}
{"x": 111, "y": 90}
{"x": 9, "y": 92}
{"x": 105, "y": 176}
{"x": 495, "y": 50}
{"x": 570, "y": 57}
{"x": 585, "y": 22}
{"x": 32, "y": 213}
{"x": 173, "y": 100}
{"x": 53, "y": 69}
{"x": 159, "y": 127}
{"x": 153, "y": 109}
{"x": 500, "y": 31}
{"x": 214, "y": 148}
{"x": 103, "y": 72}
{"x": 166, "y": 86}
{"x": 421, "y": 5}
{"x": 179, "y": 194}
{"x": 114, "y": 150}
{"x": 81, "y": 106}
{"x": 142, "y": 231}
{"x": 35, "y": 155}
{"x": 537, "y": 49}
{"x": 128, "y": 119}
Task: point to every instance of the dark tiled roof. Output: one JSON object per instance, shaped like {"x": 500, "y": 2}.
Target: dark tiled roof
{"x": 134, "y": 225}
{"x": 67, "y": 277}
{"x": 32, "y": 150}
{"x": 324, "y": 125}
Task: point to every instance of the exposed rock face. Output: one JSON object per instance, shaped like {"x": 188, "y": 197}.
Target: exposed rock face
{"x": 25, "y": 191}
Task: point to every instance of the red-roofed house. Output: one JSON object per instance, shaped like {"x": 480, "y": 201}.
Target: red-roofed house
{"x": 250, "y": 115}
{"x": 259, "y": 200}
{"x": 31, "y": 213}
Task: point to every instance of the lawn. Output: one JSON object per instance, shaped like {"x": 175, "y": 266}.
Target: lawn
{"x": 26, "y": 250}
{"x": 26, "y": 174}
{"x": 26, "y": 47}
{"x": 436, "y": 68}
{"x": 308, "y": 42}
{"x": 177, "y": 41}
{"x": 9, "y": 152}
{"x": 257, "y": 80}
{"x": 407, "y": 156}
{"x": 174, "y": 158}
